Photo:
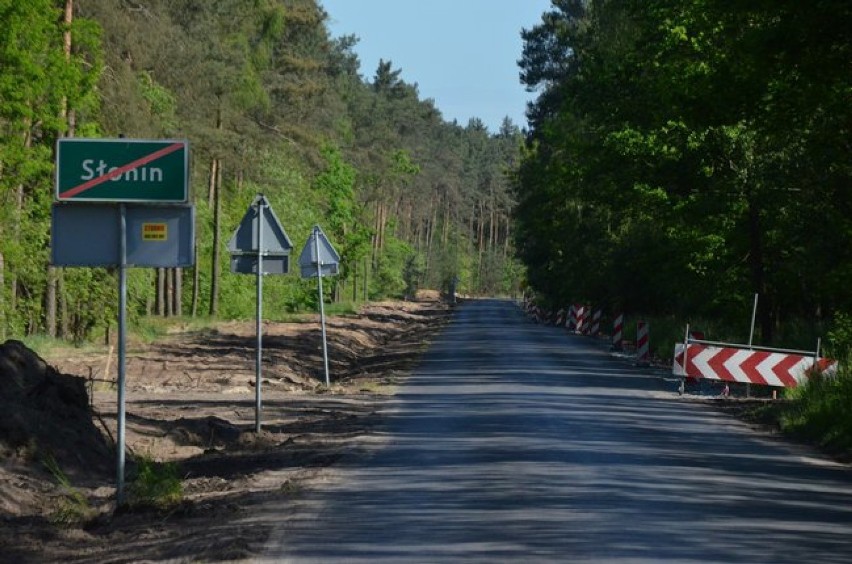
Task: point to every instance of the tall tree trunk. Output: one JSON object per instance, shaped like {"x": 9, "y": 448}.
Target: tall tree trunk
{"x": 161, "y": 292}
{"x": 3, "y": 319}
{"x": 178, "y": 291}
{"x": 214, "y": 163}
{"x": 445, "y": 228}
{"x": 211, "y": 186}
{"x": 169, "y": 291}
{"x": 196, "y": 278}
{"x": 756, "y": 262}
{"x": 54, "y": 274}
{"x": 50, "y": 302}
{"x": 508, "y": 236}
{"x": 19, "y": 212}
{"x": 366, "y": 279}
{"x": 217, "y": 218}
{"x": 64, "y": 321}
{"x": 377, "y": 237}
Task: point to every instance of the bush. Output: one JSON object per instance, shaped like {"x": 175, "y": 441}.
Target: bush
{"x": 821, "y": 412}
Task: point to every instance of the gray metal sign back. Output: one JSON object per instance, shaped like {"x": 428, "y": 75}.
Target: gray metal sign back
{"x": 318, "y": 245}
{"x": 247, "y": 264}
{"x": 275, "y": 239}
{"x": 88, "y": 235}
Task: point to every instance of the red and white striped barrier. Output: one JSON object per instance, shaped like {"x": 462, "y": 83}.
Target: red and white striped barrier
{"x": 571, "y": 322}
{"x": 560, "y": 317}
{"x": 643, "y": 346}
{"x": 596, "y": 322}
{"x": 581, "y": 317}
{"x": 618, "y": 331}
{"x": 587, "y": 322}
{"x": 748, "y": 366}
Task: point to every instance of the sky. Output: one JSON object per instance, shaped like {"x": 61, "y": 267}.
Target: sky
{"x": 461, "y": 53}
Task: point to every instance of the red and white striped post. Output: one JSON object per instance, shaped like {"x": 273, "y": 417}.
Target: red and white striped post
{"x": 618, "y": 331}
{"x": 596, "y": 322}
{"x": 582, "y": 318}
{"x": 643, "y": 348}
{"x": 560, "y": 317}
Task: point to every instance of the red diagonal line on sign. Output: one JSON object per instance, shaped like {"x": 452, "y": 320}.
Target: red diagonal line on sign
{"x": 782, "y": 370}
{"x": 749, "y": 367}
{"x": 717, "y": 363}
{"x": 71, "y": 192}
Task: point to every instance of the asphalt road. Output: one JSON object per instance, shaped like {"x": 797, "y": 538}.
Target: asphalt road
{"x": 515, "y": 442}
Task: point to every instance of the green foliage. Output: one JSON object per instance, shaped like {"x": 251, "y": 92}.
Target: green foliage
{"x": 72, "y": 508}
{"x": 155, "y": 484}
{"x": 390, "y": 276}
{"x": 163, "y": 104}
{"x": 667, "y": 169}
{"x": 839, "y": 345}
{"x": 820, "y": 411}
{"x": 270, "y": 104}
{"x": 412, "y": 274}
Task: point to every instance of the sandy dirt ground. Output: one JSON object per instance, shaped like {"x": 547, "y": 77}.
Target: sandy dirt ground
{"x": 191, "y": 403}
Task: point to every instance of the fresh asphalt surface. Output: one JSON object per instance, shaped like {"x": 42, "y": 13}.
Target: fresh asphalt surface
{"x": 514, "y": 442}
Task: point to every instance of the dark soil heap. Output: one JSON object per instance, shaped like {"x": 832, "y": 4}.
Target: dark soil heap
{"x": 46, "y": 414}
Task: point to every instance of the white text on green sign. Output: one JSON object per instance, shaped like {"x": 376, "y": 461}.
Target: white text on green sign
{"x": 122, "y": 170}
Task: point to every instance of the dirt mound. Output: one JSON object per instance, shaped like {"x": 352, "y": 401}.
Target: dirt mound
{"x": 46, "y": 415}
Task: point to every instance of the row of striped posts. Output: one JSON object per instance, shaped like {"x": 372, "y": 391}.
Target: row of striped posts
{"x": 584, "y": 320}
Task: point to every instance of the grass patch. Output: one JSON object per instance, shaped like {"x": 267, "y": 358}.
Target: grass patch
{"x": 155, "y": 484}
{"x": 342, "y": 308}
{"x": 47, "y": 347}
{"x": 820, "y": 411}
{"x": 72, "y": 508}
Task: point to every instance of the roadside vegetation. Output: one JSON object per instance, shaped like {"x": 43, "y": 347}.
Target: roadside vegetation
{"x": 680, "y": 158}
{"x": 270, "y": 103}
{"x": 685, "y": 156}
{"x": 820, "y": 411}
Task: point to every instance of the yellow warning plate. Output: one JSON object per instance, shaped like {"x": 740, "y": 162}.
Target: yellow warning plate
{"x": 155, "y": 231}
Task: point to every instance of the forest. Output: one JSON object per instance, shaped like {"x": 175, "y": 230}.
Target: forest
{"x": 680, "y": 158}
{"x": 270, "y": 103}
{"x": 685, "y": 156}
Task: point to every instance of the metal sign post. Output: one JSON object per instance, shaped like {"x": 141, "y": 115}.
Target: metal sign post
{"x": 259, "y": 246}
{"x": 751, "y": 337}
{"x": 322, "y": 306}
{"x": 113, "y": 233}
{"x": 122, "y": 340}
{"x": 319, "y": 259}
{"x": 259, "y": 329}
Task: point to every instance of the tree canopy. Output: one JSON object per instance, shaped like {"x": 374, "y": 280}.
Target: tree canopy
{"x": 683, "y": 156}
{"x": 271, "y": 104}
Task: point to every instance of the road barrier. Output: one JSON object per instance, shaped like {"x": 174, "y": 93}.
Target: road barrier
{"x": 596, "y": 322}
{"x": 582, "y": 319}
{"x": 571, "y": 322}
{"x": 757, "y": 365}
{"x": 643, "y": 346}
{"x": 618, "y": 331}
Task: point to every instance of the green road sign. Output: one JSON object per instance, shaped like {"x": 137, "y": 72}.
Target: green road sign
{"x": 122, "y": 170}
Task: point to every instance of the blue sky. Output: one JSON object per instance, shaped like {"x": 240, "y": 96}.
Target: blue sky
{"x": 461, "y": 53}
